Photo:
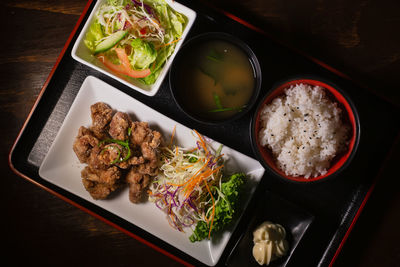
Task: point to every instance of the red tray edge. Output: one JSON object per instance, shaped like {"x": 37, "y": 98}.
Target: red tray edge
{"x": 248, "y": 25}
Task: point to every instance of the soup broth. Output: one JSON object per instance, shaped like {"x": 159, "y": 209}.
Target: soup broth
{"x": 216, "y": 80}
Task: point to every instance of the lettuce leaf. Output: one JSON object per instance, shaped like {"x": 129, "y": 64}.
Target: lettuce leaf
{"x": 143, "y": 54}
{"x": 178, "y": 22}
{"x": 94, "y": 34}
{"x": 117, "y": 2}
{"x": 162, "y": 56}
{"x": 224, "y": 209}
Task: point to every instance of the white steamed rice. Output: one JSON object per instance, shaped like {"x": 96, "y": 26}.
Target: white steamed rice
{"x": 304, "y": 130}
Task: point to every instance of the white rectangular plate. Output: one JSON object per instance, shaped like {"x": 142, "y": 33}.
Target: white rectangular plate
{"x": 82, "y": 54}
{"x": 62, "y": 168}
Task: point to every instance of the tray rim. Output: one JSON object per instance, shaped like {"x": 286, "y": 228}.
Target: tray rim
{"x": 251, "y": 27}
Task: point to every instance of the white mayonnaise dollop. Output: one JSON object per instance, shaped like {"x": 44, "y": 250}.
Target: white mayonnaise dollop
{"x": 269, "y": 242}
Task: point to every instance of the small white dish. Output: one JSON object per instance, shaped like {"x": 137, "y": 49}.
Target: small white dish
{"x": 61, "y": 167}
{"x": 83, "y": 55}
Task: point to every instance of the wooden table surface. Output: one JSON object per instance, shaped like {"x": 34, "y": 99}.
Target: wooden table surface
{"x": 359, "y": 37}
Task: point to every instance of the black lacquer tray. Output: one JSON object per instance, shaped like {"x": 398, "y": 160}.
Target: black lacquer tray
{"x": 319, "y": 215}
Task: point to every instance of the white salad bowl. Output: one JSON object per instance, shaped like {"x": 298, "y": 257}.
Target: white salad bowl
{"x": 83, "y": 55}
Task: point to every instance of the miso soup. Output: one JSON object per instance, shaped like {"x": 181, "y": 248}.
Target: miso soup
{"x": 216, "y": 80}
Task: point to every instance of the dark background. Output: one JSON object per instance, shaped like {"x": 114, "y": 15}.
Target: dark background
{"x": 361, "y": 38}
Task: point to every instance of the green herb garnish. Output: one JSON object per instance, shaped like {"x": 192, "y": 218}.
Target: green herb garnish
{"x": 215, "y": 56}
{"x": 113, "y": 147}
{"x": 217, "y": 100}
{"x": 125, "y": 144}
{"x": 209, "y": 75}
{"x": 239, "y": 109}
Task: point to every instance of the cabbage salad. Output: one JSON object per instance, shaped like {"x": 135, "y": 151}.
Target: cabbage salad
{"x": 192, "y": 190}
{"x": 135, "y": 37}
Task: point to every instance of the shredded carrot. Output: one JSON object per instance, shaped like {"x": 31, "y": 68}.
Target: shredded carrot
{"x": 173, "y": 135}
{"x": 205, "y": 218}
{"x": 192, "y": 150}
{"x": 190, "y": 187}
{"x": 191, "y": 178}
{"x": 170, "y": 223}
{"x": 170, "y": 43}
{"x": 202, "y": 142}
{"x": 178, "y": 184}
{"x": 156, "y": 22}
{"x": 176, "y": 151}
{"x": 213, "y": 210}
{"x": 194, "y": 181}
{"x": 186, "y": 167}
{"x": 217, "y": 158}
{"x": 197, "y": 180}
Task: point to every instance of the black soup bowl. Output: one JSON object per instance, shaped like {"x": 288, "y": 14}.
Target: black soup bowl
{"x": 215, "y": 78}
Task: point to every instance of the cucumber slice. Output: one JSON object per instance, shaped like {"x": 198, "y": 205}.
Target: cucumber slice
{"x": 111, "y": 40}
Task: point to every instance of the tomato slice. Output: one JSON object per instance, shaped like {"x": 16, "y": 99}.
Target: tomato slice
{"x": 110, "y": 65}
{"x": 123, "y": 57}
{"x": 125, "y": 66}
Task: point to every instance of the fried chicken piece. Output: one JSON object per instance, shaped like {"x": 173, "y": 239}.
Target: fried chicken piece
{"x": 119, "y": 126}
{"x": 108, "y": 176}
{"x": 156, "y": 139}
{"x": 148, "y": 141}
{"x": 134, "y": 160}
{"x": 96, "y": 190}
{"x": 84, "y": 143}
{"x": 101, "y": 114}
{"x": 100, "y": 183}
{"x": 105, "y": 155}
{"x": 95, "y": 161}
{"x": 140, "y": 133}
{"x": 137, "y": 183}
{"x": 147, "y": 168}
{"x": 149, "y": 154}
